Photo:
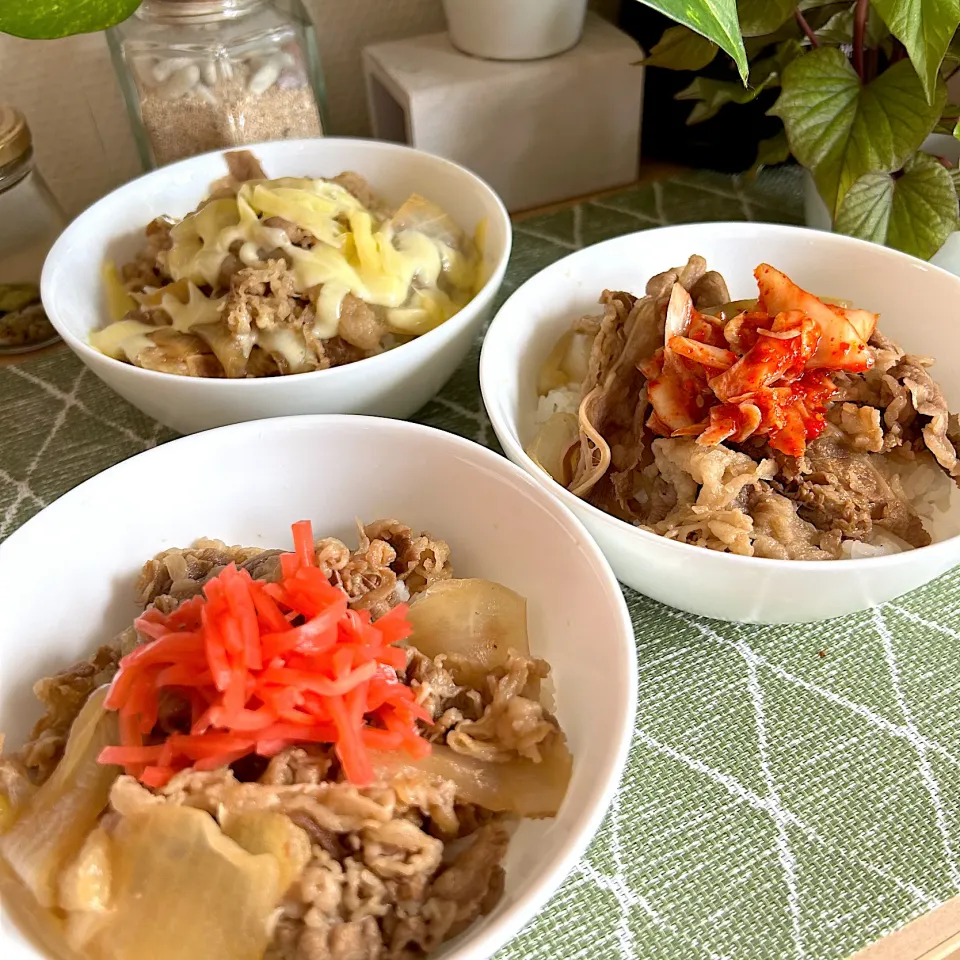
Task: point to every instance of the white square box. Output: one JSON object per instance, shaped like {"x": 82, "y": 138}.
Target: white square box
{"x": 537, "y": 131}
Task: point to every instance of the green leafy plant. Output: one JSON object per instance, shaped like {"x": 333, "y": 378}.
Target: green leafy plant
{"x": 50, "y": 19}
{"x": 862, "y": 84}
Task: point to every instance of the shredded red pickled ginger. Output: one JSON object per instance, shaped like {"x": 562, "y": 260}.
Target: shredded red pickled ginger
{"x": 264, "y": 666}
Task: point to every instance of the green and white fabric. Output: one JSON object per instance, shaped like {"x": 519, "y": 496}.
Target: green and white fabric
{"x": 792, "y": 792}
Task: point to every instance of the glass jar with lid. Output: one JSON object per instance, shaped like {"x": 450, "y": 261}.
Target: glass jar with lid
{"x": 200, "y": 75}
{"x": 30, "y": 222}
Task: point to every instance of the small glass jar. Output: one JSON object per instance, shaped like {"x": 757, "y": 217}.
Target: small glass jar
{"x": 201, "y": 75}
{"x": 30, "y": 222}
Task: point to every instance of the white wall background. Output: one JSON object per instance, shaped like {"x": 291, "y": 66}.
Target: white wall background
{"x": 69, "y": 93}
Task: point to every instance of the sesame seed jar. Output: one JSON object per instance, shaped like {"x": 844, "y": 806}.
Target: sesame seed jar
{"x": 200, "y": 75}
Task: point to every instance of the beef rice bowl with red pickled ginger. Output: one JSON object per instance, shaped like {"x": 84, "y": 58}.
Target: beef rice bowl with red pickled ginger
{"x": 314, "y": 755}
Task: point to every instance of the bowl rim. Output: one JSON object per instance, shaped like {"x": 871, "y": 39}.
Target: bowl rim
{"x": 568, "y": 850}
{"x": 451, "y": 326}
{"x": 508, "y": 435}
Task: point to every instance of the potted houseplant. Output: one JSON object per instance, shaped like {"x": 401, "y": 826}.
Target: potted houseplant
{"x": 862, "y": 91}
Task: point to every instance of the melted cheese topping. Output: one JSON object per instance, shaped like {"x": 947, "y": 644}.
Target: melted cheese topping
{"x": 199, "y": 309}
{"x": 122, "y": 340}
{"x": 417, "y": 265}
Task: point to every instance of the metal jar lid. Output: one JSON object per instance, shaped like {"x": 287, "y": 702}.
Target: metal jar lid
{"x": 15, "y": 139}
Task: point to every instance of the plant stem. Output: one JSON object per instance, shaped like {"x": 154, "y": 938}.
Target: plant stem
{"x": 805, "y": 27}
{"x": 859, "y": 29}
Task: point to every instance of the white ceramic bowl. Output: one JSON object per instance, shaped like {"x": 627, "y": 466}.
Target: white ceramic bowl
{"x": 919, "y": 307}
{"x": 393, "y": 384}
{"x": 246, "y": 484}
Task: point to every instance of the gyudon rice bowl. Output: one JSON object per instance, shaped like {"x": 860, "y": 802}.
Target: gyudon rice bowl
{"x": 314, "y": 755}
{"x": 786, "y": 427}
{"x": 270, "y": 277}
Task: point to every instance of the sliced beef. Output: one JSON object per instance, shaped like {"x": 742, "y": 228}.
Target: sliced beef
{"x": 297, "y": 235}
{"x": 358, "y": 187}
{"x": 180, "y": 573}
{"x": 710, "y": 291}
{"x": 262, "y": 296}
{"x": 243, "y": 166}
{"x": 147, "y": 268}
{"x": 360, "y": 325}
{"x": 845, "y": 491}
{"x": 928, "y": 401}
{"x": 63, "y": 695}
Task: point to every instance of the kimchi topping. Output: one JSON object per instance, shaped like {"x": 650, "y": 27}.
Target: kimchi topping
{"x": 763, "y": 373}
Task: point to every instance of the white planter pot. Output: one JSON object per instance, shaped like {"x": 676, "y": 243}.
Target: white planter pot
{"x": 817, "y": 215}
{"x": 514, "y": 29}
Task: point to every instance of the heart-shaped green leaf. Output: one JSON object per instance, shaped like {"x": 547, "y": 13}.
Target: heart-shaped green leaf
{"x": 771, "y": 151}
{"x": 759, "y": 17}
{"x": 839, "y": 28}
{"x": 681, "y": 49}
{"x": 714, "y": 94}
{"x": 840, "y": 129}
{"x": 925, "y": 28}
{"x": 790, "y": 30}
{"x": 955, "y": 179}
{"x": 952, "y": 57}
{"x": 49, "y": 19}
{"x": 714, "y": 19}
{"x": 948, "y": 119}
{"x": 914, "y": 212}
{"x": 767, "y": 70}
{"x": 865, "y": 211}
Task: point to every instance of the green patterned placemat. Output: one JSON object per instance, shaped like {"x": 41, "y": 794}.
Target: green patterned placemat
{"x": 792, "y": 792}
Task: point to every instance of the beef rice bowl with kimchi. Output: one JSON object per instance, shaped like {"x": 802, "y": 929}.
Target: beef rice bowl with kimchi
{"x": 314, "y": 755}
{"x": 787, "y": 427}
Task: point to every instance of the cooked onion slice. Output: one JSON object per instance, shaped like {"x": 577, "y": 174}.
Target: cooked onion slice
{"x": 551, "y": 446}
{"x": 518, "y": 786}
{"x": 182, "y": 889}
{"x": 566, "y": 363}
{"x": 54, "y": 825}
{"x": 474, "y": 622}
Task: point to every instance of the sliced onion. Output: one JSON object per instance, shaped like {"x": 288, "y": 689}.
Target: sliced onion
{"x": 552, "y": 374}
{"x": 54, "y": 825}
{"x": 41, "y": 927}
{"x": 679, "y": 313}
{"x": 476, "y": 623}
{"x": 567, "y": 362}
{"x": 266, "y": 831}
{"x": 518, "y": 786}
{"x": 576, "y": 359}
{"x": 727, "y": 310}
{"x": 182, "y": 889}
{"x": 552, "y": 444}
{"x": 232, "y": 350}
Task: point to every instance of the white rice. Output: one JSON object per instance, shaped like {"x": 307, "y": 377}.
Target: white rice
{"x": 881, "y": 543}
{"x": 564, "y": 399}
